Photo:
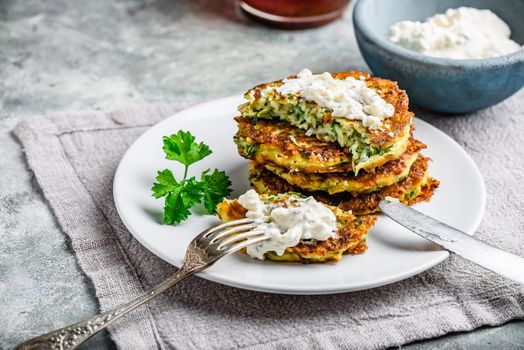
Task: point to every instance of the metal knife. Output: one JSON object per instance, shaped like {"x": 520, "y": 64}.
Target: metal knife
{"x": 503, "y": 263}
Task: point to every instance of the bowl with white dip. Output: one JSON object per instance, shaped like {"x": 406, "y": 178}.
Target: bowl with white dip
{"x": 452, "y": 56}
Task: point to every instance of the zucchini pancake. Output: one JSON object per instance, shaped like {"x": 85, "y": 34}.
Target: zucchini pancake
{"x": 283, "y": 145}
{"x": 348, "y": 236}
{"x": 385, "y": 175}
{"x": 376, "y": 131}
{"x": 341, "y": 141}
{"x": 418, "y": 186}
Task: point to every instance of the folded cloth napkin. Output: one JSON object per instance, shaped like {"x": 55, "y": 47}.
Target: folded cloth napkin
{"x": 74, "y": 157}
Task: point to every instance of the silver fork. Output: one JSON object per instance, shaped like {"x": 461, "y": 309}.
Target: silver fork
{"x": 203, "y": 251}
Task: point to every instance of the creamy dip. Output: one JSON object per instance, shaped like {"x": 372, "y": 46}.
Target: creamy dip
{"x": 462, "y": 33}
{"x": 348, "y": 98}
{"x": 304, "y": 218}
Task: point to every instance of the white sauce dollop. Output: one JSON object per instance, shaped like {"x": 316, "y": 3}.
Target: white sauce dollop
{"x": 349, "y": 98}
{"x": 304, "y": 218}
{"x": 462, "y": 33}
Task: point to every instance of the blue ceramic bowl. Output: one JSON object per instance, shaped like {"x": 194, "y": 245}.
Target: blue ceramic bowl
{"x": 438, "y": 84}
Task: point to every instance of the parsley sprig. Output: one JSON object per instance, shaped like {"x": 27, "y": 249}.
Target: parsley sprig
{"x": 182, "y": 195}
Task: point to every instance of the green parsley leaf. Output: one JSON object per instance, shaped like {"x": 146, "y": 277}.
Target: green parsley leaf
{"x": 175, "y": 211}
{"x": 192, "y": 192}
{"x": 166, "y": 183}
{"x": 216, "y": 186}
{"x": 183, "y": 148}
{"x": 182, "y": 195}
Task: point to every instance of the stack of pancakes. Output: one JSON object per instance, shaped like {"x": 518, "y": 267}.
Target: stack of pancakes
{"x": 296, "y": 146}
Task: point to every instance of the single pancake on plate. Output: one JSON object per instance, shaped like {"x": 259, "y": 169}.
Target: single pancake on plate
{"x": 350, "y": 236}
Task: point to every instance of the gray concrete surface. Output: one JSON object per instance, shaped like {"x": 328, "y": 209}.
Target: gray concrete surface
{"x": 71, "y": 54}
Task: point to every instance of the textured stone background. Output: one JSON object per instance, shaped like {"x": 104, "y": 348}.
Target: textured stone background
{"x": 68, "y": 55}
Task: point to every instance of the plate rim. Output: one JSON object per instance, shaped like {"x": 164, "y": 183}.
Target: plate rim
{"x": 323, "y": 289}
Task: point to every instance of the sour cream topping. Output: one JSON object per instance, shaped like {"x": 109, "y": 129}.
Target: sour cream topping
{"x": 348, "y": 98}
{"x": 303, "y": 218}
{"x": 462, "y": 33}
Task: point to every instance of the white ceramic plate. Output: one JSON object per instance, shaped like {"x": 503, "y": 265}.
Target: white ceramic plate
{"x": 394, "y": 253}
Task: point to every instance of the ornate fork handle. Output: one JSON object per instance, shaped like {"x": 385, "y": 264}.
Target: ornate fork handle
{"x": 71, "y": 336}
{"x": 203, "y": 251}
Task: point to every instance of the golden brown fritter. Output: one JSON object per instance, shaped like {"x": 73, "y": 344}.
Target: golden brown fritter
{"x": 416, "y": 187}
{"x": 351, "y": 235}
{"x": 281, "y": 144}
{"x": 391, "y": 129}
{"x": 385, "y": 175}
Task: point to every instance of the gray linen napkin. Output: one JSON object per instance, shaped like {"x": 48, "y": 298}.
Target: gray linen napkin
{"x": 74, "y": 157}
